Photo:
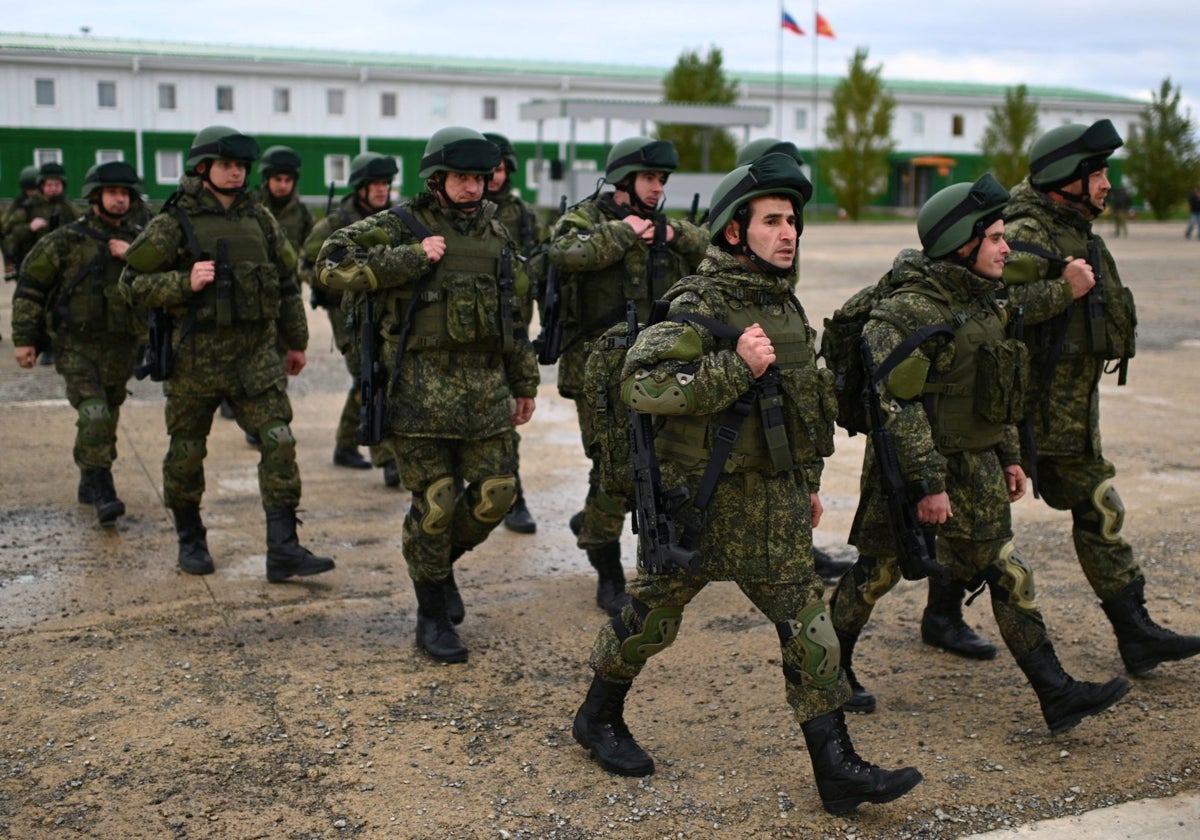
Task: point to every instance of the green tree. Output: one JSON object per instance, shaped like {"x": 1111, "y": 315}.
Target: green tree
{"x": 700, "y": 79}
{"x": 859, "y": 131}
{"x": 1011, "y": 130}
{"x": 1163, "y": 162}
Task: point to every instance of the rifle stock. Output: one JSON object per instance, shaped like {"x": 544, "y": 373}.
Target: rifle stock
{"x": 158, "y": 359}
{"x": 548, "y": 344}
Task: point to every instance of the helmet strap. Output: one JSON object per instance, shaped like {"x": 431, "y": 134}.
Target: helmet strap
{"x": 1083, "y": 199}
{"x": 437, "y": 184}
{"x": 230, "y": 191}
{"x": 743, "y": 248}
{"x": 96, "y": 201}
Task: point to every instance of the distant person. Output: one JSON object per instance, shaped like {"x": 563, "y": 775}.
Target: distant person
{"x": 26, "y": 190}
{"x": 1122, "y": 206}
{"x": 1194, "y": 210}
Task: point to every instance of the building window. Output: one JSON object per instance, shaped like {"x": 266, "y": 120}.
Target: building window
{"x": 337, "y": 169}
{"x": 801, "y": 120}
{"x": 918, "y": 123}
{"x": 281, "y": 100}
{"x": 439, "y": 105}
{"x": 957, "y": 125}
{"x": 387, "y": 104}
{"x": 166, "y": 97}
{"x": 489, "y": 107}
{"x": 109, "y": 155}
{"x": 168, "y": 166}
{"x": 224, "y": 98}
{"x": 106, "y": 94}
{"x": 43, "y": 91}
{"x": 335, "y": 102}
{"x": 42, "y": 156}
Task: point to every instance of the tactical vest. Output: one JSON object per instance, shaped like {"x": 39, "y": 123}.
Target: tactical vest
{"x": 808, "y": 403}
{"x": 458, "y": 307}
{"x": 253, "y": 291}
{"x": 91, "y": 302}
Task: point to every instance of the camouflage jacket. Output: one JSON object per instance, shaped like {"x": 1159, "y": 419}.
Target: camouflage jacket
{"x": 70, "y": 283}
{"x": 1066, "y": 416}
{"x": 18, "y": 238}
{"x": 347, "y": 211}
{"x": 440, "y": 391}
{"x": 292, "y": 214}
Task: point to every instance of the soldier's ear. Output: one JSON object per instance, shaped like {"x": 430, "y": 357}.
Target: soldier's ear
{"x": 733, "y": 232}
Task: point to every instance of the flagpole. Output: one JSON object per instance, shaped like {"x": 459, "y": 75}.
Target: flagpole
{"x": 812, "y": 169}
{"x": 779, "y": 75}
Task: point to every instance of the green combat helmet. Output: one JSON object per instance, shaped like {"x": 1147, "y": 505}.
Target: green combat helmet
{"x": 458, "y": 149}
{"x": 755, "y": 149}
{"x": 954, "y": 216}
{"x": 1070, "y": 153}
{"x": 220, "y": 142}
{"x": 507, "y": 153}
{"x": 371, "y": 166}
{"x": 28, "y": 179}
{"x": 114, "y": 173}
{"x": 639, "y": 154}
{"x": 52, "y": 170}
{"x": 279, "y": 160}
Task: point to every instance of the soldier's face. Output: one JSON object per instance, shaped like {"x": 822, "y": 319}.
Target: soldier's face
{"x": 281, "y": 185}
{"x": 52, "y": 187}
{"x": 377, "y": 194}
{"x": 992, "y": 251}
{"x": 772, "y": 230}
{"x": 227, "y": 174}
{"x": 114, "y": 200}
{"x": 649, "y": 187}
{"x": 463, "y": 187}
{"x": 499, "y": 176}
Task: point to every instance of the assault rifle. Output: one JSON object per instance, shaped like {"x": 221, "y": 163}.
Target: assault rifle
{"x": 329, "y": 200}
{"x": 548, "y": 344}
{"x": 505, "y": 285}
{"x": 915, "y": 541}
{"x": 158, "y": 358}
{"x": 371, "y": 378}
{"x": 223, "y": 282}
{"x": 659, "y": 547}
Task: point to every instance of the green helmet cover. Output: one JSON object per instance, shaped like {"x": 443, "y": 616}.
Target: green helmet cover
{"x": 639, "y": 154}
{"x": 952, "y": 217}
{"x": 372, "y": 166}
{"x": 755, "y": 149}
{"x": 458, "y": 149}
{"x": 507, "y": 153}
{"x": 1061, "y": 155}
{"x": 114, "y": 173}
{"x": 220, "y": 142}
{"x": 772, "y": 174}
{"x": 279, "y": 160}
{"x": 51, "y": 170}
{"x": 28, "y": 179}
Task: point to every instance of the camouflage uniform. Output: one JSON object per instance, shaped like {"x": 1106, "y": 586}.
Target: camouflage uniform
{"x": 18, "y": 238}
{"x": 239, "y": 361}
{"x": 292, "y": 214}
{"x": 1065, "y": 422}
{"x": 69, "y": 283}
{"x": 449, "y": 411}
{"x": 603, "y": 263}
{"x": 758, "y": 530}
{"x": 976, "y": 543}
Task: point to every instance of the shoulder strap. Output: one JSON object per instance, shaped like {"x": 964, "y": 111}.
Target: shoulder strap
{"x": 1037, "y": 251}
{"x": 419, "y": 230}
{"x": 190, "y": 232}
{"x": 87, "y": 231}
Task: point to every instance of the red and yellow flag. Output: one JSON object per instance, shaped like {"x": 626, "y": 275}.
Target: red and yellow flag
{"x": 823, "y": 27}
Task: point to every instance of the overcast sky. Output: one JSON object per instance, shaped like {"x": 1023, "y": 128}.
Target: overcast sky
{"x": 1124, "y": 48}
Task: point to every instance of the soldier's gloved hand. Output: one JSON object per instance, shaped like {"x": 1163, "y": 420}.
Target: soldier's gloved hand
{"x": 203, "y": 273}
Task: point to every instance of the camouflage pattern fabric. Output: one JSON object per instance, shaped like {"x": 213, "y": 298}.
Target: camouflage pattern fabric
{"x": 758, "y": 532}
{"x": 1066, "y": 422}
{"x": 292, "y": 214}
{"x": 18, "y": 239}
{"x": 241, "y": 363}
{"x": 96, "y": 332}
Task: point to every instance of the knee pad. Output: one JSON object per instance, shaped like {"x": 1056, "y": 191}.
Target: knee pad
{"x": 874, "y": 579}
{"x": 186, "y": 455}
{"x": 1102, "y": 514}
{"x": 96, "y": 424}
{"x": 496, "y": 495}
{"x": 440, "y": 497}
{"x": 660, "y": 626}
{"x": 1014, "y": 584}
{"x": 278, "y": 446}
{"x": 812, "y": 639}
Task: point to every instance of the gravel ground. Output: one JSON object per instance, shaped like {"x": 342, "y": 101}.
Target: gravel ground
{"x": 139, "y": 702}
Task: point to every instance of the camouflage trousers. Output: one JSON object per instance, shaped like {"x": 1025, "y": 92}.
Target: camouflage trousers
{"x": 189, "y": 418}
{"x": 758, "y": 526}
{"x": 433, "y": 527}
{"x": 96, "y": 372}
{"x": 1077, "y": 483}
{"x": 603, "y": 514}
{"x": 970, "y": 563}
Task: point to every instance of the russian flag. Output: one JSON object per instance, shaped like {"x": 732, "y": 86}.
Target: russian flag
{"x": 789, "y": 23}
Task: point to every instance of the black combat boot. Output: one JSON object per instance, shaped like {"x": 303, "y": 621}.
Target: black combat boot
{"x": 84, "y": 492}
{"x": 943, "y": 627}
{"x": 828, "y": 568}
{"x": 600, "y": 729}
{"x": 350, "y": 458}
{"x": 104, "y": 496}
{"x": 861, "y": 702}
{"x": 1066, "y": 701}
{"x": 435, "y": 634}
{"x": 519, "y": 518}
{"x": 844, "y": 779}
{"x": 391, "y": 473}
{"x": 1143, "y": 644}
{"x": 193, "y": 545}
{"x": 610, "y": 589}
{"x": 285, "y": 556}
{"x": 456, "y": 610}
